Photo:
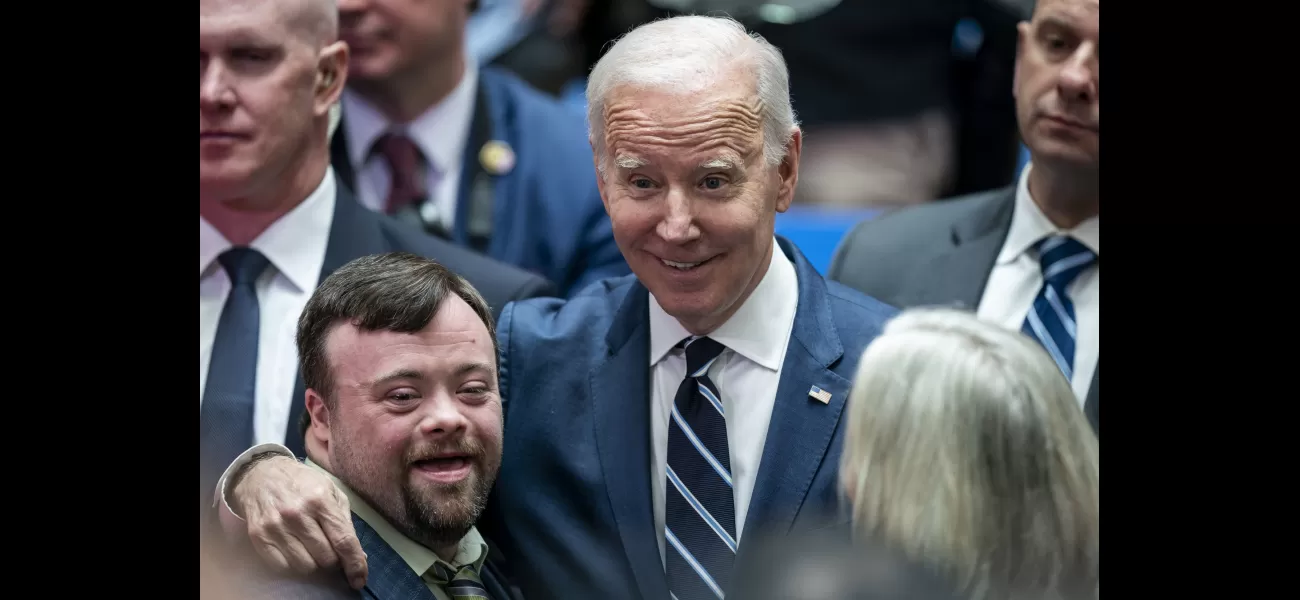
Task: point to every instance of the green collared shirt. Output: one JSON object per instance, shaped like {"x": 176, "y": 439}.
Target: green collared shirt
{"x": 471, "y": 550}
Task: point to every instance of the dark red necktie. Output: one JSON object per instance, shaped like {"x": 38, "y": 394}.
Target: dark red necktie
{"x": 407, "y": 165}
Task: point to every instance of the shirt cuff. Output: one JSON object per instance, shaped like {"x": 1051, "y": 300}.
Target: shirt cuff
{"x": 232, "y": 523}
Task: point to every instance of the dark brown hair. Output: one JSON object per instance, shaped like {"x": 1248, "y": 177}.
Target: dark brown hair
{"x": 398, "y": 291}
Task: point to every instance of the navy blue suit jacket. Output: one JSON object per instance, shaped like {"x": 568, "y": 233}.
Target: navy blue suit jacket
{"x": 547, "y": 216}
{"x": 390, "y": 578}
{"x": 571, "y": 510}
{"x": 357, "y": 232}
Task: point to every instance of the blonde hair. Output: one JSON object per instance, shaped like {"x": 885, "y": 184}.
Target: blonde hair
{"x": 967, "y": 450}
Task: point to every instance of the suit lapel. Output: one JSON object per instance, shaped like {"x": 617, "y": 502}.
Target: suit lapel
{"x": 801, "y": 427}
{"x": 390, "y": 577}
{"x": 960, "y": 269}
{"x": 1092, "y": 406}
{"x": 339, "y": 158}
{"x": 620, "y": 397}
{"x": 354, "y": 233}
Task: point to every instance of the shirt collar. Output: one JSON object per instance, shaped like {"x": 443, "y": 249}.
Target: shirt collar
{"x": 440, "y": 132}
{"x": 471, "y": 550}
{"x": 759, "y": 328}
{"x": 1029, "y": 226}
{"x": 295, "y": 243}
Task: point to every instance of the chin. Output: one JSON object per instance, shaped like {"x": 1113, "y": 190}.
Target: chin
{"x": 222, "y": 186}
{"x": 1065, "y": 156}
{"x": 687, "y": 305}
{"x": 374, "y": 68}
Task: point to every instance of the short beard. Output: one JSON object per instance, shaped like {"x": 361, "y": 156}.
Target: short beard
{"x": 435, "y": 528}
{"x": 434, "y": 524}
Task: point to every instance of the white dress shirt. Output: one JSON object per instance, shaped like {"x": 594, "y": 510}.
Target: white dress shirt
{"x": 1017, "y": 277}
{"x": 440, "y": 133}
{"x": 295, "y": 246}
{"x": 747, "y": 374}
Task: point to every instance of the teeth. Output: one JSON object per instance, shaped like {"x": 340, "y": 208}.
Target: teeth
{"x": 680, "y": 265}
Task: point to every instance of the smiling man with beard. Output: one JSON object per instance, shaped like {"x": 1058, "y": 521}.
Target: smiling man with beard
{"x": 399, "y": 358}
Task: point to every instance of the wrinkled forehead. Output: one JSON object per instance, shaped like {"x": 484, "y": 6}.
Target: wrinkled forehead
{"x": 1079, "y": 11}
{"x": 250, "y": 22}
{"x": 723, "y": 122}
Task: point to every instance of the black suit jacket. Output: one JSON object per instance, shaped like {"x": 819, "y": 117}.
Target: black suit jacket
{"x": 935, "y": 254}
{"x": 390, "y": 578}
{"x": 357, "y": 231}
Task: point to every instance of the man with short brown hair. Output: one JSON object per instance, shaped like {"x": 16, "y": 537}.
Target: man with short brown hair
{"x": 399, "y": 356}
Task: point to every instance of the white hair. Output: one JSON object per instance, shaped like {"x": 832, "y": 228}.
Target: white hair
{"x": 686, "y": 55}
{"x": 966, "y": 450}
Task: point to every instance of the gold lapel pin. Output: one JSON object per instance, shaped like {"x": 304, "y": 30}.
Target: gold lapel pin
{"x": 819, "y": 395}
{"x": 497, "y": 157}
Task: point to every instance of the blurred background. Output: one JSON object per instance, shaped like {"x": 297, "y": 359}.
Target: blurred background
{"x": 901, "y": 101}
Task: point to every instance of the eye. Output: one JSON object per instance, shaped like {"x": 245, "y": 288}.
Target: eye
{"x": 1057, "y": 43}
{"x": 641, "y": 183}
{"x": 475, "y": 393}
{"x": 252, "y": 54}
{"x": 713, "y": 182}
{"x": 402, "y": 396}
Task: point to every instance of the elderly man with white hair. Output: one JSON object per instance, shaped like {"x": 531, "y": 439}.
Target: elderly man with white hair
{"x": 654, "y": 422}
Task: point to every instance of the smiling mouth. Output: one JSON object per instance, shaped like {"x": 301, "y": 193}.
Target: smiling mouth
{"x": 443, "y": 464}
{"x": 685, "y": 266}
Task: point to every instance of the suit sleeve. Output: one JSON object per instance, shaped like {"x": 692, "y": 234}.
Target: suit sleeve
{"x": 503, "y": 356}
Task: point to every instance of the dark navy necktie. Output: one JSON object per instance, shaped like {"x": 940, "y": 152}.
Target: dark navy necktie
{"x": 226, "y": 413}
{"x": 700, "y": 514}
{"x": 1051, "y": 320}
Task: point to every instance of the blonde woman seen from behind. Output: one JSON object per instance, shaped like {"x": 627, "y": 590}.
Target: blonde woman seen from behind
{"x": 967, "y": 452}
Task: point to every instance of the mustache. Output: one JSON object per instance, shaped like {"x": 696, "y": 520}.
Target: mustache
{"x": 465, "y": 446}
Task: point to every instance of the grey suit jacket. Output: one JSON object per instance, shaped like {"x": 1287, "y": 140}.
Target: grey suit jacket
{"x": 939, "y": 253}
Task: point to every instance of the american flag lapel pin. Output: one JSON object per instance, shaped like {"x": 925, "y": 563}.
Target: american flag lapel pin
{"x": 819, "y": 395}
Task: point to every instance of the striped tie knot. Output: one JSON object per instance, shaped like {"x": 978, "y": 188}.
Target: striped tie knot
{"x": 462, "y": 584}
{"x": 1063, "y": 258}
{"x": 700, "y": 354}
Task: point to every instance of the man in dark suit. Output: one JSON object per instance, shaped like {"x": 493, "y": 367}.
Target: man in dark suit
{"x": 656, "y": 421}
{"x": 273, "y": 220}
{"x": 471, "y": 154}
{"x": 1025, "y": 256}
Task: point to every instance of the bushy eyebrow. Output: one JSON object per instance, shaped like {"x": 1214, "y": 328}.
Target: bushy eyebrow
{"x": 629, "y": 162}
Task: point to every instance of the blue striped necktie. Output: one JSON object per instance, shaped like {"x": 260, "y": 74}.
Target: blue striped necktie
{"x": 226, "y": 414}
{"x": 1051, "y": 319}
{"x": 700, "y": 514}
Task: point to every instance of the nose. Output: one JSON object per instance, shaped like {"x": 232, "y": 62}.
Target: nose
{"x": 678, "y": 223}
{"x": 1078, "y": 78}
{"x": 215, "y": 91}
{"x": 443, "y": 417}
